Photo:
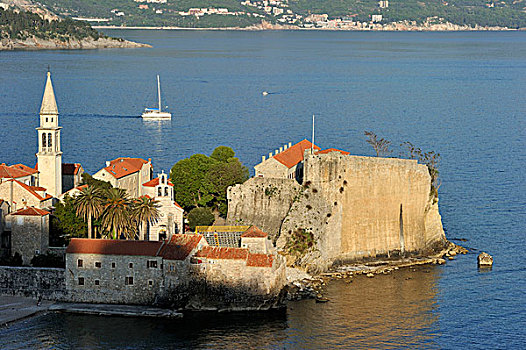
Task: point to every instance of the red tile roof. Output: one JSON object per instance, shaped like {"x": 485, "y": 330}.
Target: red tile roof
{"x": 260, "y": 260}
{"x": 180, "y": 246}
{"x": 32, "y": 190}
{"x": 121, "y": 167}
{"x": 254, "y": 231}
{"x": 113, "y": 247}
{"x": 31, "y": 211}
{"x": 70, "y": 168}
{"x": 25, "y": 168}
{"x": 329, "y": 150}
{"x": 177, "y": 205}
{"x": 155, "y": 182}
{"x": 13, "y": 172}
{"x": 293, "y": 155}
{"x": 223, "y": 253}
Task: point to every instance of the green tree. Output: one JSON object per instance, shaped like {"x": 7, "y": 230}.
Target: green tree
{"x": 188, "y": 176}
{"x": 116, "y": 218}
{"x": 66, "y": 223}
{"x": 87, "y": 179}
{"x": 89, "y": 205}
{"x": 222, "y": 175}
{"x": 222, "y": 153}
{"x": 145, "y": 210}
{"x": 200, "y": 217}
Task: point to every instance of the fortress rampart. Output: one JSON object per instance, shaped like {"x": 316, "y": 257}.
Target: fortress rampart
{"x": 355, "y": 208}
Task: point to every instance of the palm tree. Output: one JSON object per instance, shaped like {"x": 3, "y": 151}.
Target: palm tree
{"x": 145, "y": 211}
{"x": 117, "y": 217}
{"x": 89, "y": 205}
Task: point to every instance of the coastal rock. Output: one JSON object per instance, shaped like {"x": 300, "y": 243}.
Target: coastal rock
{"x": 35, "y": 43}
{"x": 485, "y": 260}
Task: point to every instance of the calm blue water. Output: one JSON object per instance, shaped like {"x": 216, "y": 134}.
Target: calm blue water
{"x": 460, "y": 94}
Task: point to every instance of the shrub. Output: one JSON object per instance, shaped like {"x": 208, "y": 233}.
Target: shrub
{"x": 200, "y": 217}
{"x": 47, "y": 260}
{"x": 15, "y": 260}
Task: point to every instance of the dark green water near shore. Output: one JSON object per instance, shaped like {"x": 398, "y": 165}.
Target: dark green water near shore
{"x": 460, "y": 94}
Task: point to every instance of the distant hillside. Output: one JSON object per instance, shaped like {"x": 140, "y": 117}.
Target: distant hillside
{"x": 237, "y": 13}
{"x": 30, "y": 31}
{"x": 22, "y": 25}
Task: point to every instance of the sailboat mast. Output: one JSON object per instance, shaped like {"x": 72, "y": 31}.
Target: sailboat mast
{"x": 159, "y": 91}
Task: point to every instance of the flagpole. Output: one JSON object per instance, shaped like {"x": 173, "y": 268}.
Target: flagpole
{"x": 312, "y": 146}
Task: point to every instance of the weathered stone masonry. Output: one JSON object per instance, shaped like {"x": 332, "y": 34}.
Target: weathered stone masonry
{"x": 48, "y": 283}
{"x": 355, "y": 207}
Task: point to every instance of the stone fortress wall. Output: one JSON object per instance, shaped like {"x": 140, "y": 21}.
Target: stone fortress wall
{"x": 49, "y": 283}
{"x": 355, "y": 207}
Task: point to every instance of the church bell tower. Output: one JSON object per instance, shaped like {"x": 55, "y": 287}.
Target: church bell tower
{"x": 49, "y": 156}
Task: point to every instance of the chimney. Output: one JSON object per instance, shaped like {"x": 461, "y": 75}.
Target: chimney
{"x": 285, "y": 147}
{"x": 270, "y": 155}
{"x": 107, "y": 163}
{"x": 280, "y": 149}
{"x": 290, "y": 144}
{"x": 275, "y": 152}
{"x": 262, "y": 158}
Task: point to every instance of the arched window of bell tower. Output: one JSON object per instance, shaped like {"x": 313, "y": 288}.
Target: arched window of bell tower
{"x": 44, "y": 140}
{"x": 159, "y": 192}
{"x": 166, "y": 191}
{"x": 49, "y": 142}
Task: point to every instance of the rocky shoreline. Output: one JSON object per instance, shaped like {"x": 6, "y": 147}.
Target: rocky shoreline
{"x": 391, "y": 27}
{"x": 35, "y": 43}
{"x": 304, "y": 286}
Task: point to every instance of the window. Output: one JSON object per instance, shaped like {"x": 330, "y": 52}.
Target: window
{"x": 150, "y": 283}
{"x": 166, "y": 191}
{"x": 49, "y": 142}
{"x": 80, "y": 263}
{"x": 130, "y": 265}
{"x": 81, "y": 281}
{"x": 98, "y": 264}
{"x": 159, "y": 192}
{"x": 44, "y": 140}
{"x": 162, "y": 180}
{"x": 128, "y": 281}
{"x": 97, "y": 282}
{"x": 151, "y": 264}
{"x": 46, "y": 120}
{"x": 112, "y": 265}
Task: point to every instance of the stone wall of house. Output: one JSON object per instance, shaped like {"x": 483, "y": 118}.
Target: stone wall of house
{"x": 48, "y": 283}
{"x": 353, "y": 207}
{"x": 263, "y": 202}
{"x": 231, "y": 285}
{"x": 271, "y": 168}
{"x": 29, "y": 235}
{"x": 112, "y": 274}
{"x": 19, "y": 197}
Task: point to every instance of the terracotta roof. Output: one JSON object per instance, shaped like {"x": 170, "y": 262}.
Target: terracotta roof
{"x": 293, "y": 155}
{"x": 25, "y": 168}
{"x": 260, "y": 260}
{"x": 70, "y": 168}
{"x": 113, "y": 247}
{"x": 33, "y": 189}
{"x": 223, "y": 253}
{"x": 121, "y": 167}
{"x": 177, "y": 205}
{"x": 13, "y": 172}
{"x": 254, "y": 231}
{"x": 329, "y": 150}
{"x": 78, "y": 188}
{"x": 155, "y": 182}
{"x": 31, "y": 211}
{"x": 180, "y": 246}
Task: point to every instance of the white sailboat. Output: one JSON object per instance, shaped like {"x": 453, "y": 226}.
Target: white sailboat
{"x": 156, "y": 113}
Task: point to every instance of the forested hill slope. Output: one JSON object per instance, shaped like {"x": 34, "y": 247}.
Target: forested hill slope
{"x": 243, "y": 13}
{"x": 27, "y": 30}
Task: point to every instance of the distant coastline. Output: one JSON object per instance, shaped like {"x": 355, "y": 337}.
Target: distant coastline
{"x": 394, "y": 27}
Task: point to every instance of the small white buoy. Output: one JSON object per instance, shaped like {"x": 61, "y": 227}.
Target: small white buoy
{"x": 264, "y": 93}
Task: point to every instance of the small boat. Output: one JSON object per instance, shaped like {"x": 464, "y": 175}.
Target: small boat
{"x": 264, "y": 93}
{"x": 156, "y": 113}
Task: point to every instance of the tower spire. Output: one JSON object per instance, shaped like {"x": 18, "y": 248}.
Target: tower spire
{"x": 49, "y": 104}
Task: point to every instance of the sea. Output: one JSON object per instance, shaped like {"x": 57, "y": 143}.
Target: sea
{"x": 461, "y": 94}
